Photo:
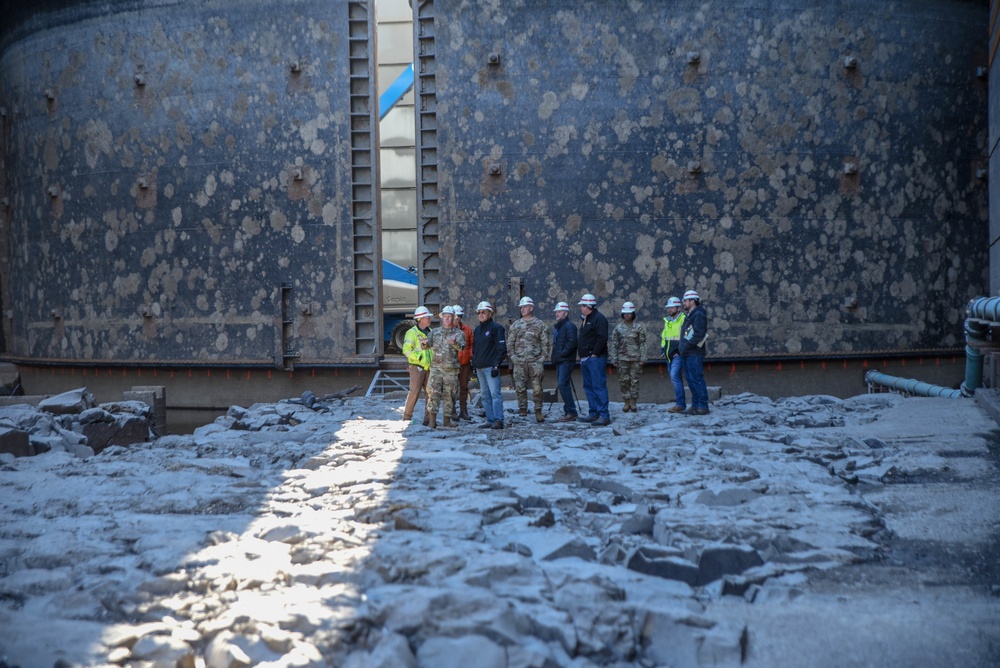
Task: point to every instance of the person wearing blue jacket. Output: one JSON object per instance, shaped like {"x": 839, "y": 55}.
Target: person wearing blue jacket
{"x": 563, "y": 358}
{"x": 694, "y": 333}
{"x": 489, "y": 348}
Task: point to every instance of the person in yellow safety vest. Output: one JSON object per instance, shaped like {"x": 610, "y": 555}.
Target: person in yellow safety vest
{"x": 418, "y": 361}
{"x": 669, "y": 345}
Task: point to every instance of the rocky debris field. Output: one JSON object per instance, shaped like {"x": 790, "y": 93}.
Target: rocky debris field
{"x": 72, "y": 422}
{"x": 804, "y": 531}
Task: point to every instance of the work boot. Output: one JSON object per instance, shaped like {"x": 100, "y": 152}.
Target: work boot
{"x": 635, "y": 406}
{"x": 432, "y": 421}
{"x": 569, "y": 417}
{"x": 447, "y": 423}
{"x": 538, "y": 415}
{"x": 626, "y": 408}
{"x": 601, "y": 422}
{"x": 486, "y": 425}
{"x": 589, "y": 418}
{"x": 523, "y": 412}
{"x": 497, "y": 425}
{"x": 675, "y": 409}
{"x": 464, "y": 415}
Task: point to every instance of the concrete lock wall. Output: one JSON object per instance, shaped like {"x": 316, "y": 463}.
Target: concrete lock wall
{"x": 192, "y": 182}
{"x": 811, "y": 168}
{"x": 189, "y": 181}
{"x": 992, "y": 172}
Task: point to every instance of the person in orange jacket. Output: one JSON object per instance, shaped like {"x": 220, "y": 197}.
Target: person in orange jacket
{"x": 465, "y": 368}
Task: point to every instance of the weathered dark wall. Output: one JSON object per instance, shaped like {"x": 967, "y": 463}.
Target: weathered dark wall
{"x": 993, "y": 173}
{"x": 170, "y": 165}
{"x": 569, "y": 163}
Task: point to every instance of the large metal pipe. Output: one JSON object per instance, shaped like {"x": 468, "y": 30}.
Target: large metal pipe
{"x": 975, "y": 333}
{"x": 984, "y": 308}
{"x": 911, "y": 386}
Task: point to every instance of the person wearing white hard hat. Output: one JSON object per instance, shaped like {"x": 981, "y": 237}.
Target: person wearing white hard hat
{"x": 465, "y": 365}
{"x": 418, "y": 360}
{"x": 670, "y": 340}
{"x": 592, "y": 346}
{"x": 694, "y": 333}
{"x": 528, "y": 345}
{"x": 628, "y": 352}
{"x": 563, "y": 359}
{"x": 489, "y": 348}
{"x": 446, "y": 342}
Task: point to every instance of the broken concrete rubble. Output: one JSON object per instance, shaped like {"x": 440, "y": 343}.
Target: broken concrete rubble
{"x": 72, "y": 422}
{"x": 288, "y": 535}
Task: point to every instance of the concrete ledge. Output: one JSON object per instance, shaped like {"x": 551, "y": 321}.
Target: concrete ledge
{"x": 989, "y": 399}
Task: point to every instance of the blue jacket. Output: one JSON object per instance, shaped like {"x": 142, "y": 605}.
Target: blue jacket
{"x": 563, "y": 342}
{"x": 694, "y": 331}
{"x": 489, "y": 345}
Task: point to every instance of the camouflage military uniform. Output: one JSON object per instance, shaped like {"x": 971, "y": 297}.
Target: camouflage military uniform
{"x": 528, "y": 346}
{"x": 442, "y": 384}
{"x": 627, "y": 351}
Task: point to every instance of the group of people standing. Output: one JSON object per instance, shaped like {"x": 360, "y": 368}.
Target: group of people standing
{"x": 441, "y": 361}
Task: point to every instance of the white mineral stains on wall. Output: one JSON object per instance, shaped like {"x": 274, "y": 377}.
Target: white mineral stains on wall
{"x": 521, "y": 259}
{"x": 550, "y": 102}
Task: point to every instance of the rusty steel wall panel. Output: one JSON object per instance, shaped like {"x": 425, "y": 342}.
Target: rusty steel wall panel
{"x": 809, "y": 167}
{"x": 184, "y": 180}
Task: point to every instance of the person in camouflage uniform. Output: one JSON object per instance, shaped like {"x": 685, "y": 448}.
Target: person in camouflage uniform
{"x": 442, "y": 384}
{"x": 628, "y": 353}
{"x": 528, "y": 346}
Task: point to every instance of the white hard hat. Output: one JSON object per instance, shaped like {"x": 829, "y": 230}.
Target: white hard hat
{"x": 561, "y": 306}
{"x": 691, "y": 294}
{"x": 459, "y": 311}
{"x": 628, "y": 307}
{"x": 673, "y": 301}
{"x": 526, "y": 301}
{"x": 421, "y": 312}
{"x": 484, "y": 306}
{"x": 448, "y": 310}
{"x": 588, "y": 300}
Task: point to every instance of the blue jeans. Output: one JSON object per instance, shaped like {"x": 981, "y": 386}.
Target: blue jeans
{"x": 676, "y": 367}
{"x": 696, "y": 380}
{"x": 489, "y": 388}
{"x": 595, "y": 383}
{"x": 564, "y": 373}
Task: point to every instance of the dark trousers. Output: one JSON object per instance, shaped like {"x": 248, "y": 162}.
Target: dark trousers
{"x": 564, "y": 376}
{"x": 696, "y": 380}
{"x": 464, "y": 374}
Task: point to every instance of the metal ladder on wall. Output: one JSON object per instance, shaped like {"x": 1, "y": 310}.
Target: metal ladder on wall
{"x": 389, "y": 380}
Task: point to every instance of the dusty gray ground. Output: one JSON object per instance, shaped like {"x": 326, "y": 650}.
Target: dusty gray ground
{"x": 282, "y": 536}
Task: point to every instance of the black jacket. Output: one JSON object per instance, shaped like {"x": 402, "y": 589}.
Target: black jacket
{"x": 489, "y": 345}
{"x": 693, "y": 332}
{"x": 564, "y": 342}
{"x": 593, "y": 339}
